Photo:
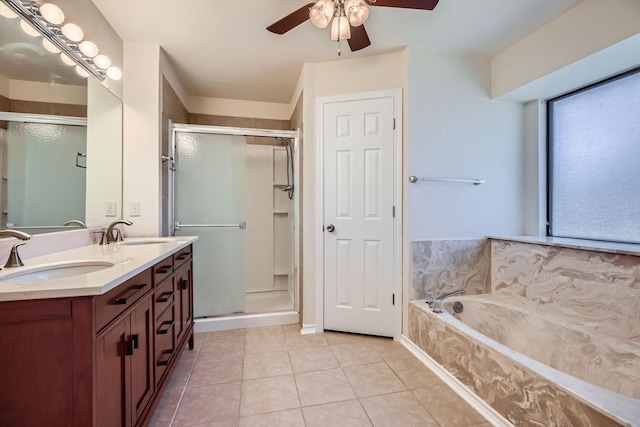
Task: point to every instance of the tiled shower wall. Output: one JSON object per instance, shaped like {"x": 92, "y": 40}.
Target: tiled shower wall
{"x": 443, "y": 266}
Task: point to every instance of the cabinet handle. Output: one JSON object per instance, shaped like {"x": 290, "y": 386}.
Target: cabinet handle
{"x": 128, "y": 347}
{"x": 124, "y": 299}
{"x": 165, "y": 297}
{"x": 165, "y": 362}
{"x": 184, "y": 256}
{"x": 185, "y": 283}
{"x": 164, "y": 269}
{"x": 169, "y": 324}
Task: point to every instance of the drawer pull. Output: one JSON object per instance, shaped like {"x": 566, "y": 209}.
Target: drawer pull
{"x": 165, "y": 331}
{"x": 165, "y": 361}
{"x": 184, "y": 256}
{"x": 185, "y": 283}
{"x": 125, "y": 299}
{"x": 164, "y": 269}
{"x": 165, "y": 297}
{"x": 128, "y": 347}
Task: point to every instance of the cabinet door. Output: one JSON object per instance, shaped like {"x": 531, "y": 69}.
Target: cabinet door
{"x": 184, "y": 291}
{"x": 142, "y": 372}
{"x": 112, "y": 379}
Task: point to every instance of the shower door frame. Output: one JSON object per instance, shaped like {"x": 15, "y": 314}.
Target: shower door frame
{"x": 258, "y": 319}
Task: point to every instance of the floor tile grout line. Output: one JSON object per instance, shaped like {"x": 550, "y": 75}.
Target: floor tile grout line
{"x": 184, "y": 388}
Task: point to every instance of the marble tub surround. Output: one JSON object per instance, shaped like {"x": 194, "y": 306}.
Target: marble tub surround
{"x": 516, "y": 390}
{"x": 127, "y": 260}
{"x": 443, "y": 266}
{"x": 600, "y": 290}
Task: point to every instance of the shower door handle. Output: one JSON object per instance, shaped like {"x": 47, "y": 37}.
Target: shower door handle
{"x": 331, "y": 228}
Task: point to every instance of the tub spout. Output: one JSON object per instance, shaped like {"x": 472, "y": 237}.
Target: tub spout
{"x": 437, "y": 303}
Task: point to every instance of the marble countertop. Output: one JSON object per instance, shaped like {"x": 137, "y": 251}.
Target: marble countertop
{"x": 591, "y": 245}
{"x": 128, "y": 259}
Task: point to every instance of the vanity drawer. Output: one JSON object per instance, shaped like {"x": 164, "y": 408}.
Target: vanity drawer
{"x": 182, "y": 256}
{"x": 165, "y": 343}
{"x": 118, "y": 300}
{"x": 164, "y": 296}
{"x": 162, "y": 270}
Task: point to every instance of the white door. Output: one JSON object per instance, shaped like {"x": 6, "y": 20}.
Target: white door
{"x": 358, "y": 141}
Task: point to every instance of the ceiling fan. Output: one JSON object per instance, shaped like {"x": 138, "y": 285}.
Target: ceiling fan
{"x": 346, "y": 17}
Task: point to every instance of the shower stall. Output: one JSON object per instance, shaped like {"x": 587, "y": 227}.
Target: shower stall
{"x": 235, "y": 189}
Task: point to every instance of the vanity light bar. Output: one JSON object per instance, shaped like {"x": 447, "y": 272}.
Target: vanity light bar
{"x": 30, "y": 12}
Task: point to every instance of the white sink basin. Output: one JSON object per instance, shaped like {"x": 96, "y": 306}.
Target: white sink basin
{"x": 150, "y": 241}
{"x": 54, "y": 271}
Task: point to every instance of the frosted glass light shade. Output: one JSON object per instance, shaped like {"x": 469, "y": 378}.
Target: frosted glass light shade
{"x": 6, "y": 12}
{"x": 65, "y": 58}
{"x": 102, "y": 61}
{"x": 72, "y": 32}
{"x": 81, "y": 71}
{"x": 357, "y": 12}
{"x": 50, "y": 46}
{"x": 88, "y": 48}
{"x": 321, "y": 13}
{"x": 28, "y": 29}
{"x": 114, "y": 73}
{"x": 52, "y": 13}
{"x": 340, "y": 27}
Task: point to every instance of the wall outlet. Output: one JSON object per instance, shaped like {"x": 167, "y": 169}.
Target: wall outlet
{"x": 110, "y": 208}
{"x": 134, "y": 208}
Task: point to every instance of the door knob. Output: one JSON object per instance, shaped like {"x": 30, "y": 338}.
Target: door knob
{"x": 330, "y": 228}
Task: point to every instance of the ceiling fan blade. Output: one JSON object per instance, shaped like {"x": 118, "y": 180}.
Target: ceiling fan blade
{"x": 291, "y": 21}
{"x": 359, "y": 38}
{"x": 406, "y": 4}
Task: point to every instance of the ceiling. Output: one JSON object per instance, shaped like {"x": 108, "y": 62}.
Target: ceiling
{"x": 221, "y": 48}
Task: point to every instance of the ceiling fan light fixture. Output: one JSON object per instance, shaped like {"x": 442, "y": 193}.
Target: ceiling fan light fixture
{"x": 340, "y": 29}
{"x": 357, "y": 12}
{"x": 321, "y": 13}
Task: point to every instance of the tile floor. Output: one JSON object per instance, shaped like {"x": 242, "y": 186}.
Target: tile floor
{"x": 276, "y": 377}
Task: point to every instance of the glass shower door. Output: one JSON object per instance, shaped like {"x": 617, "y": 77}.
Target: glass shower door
{"x": 209, "y": 203}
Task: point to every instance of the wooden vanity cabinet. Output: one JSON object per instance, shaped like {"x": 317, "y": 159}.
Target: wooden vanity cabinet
{"x": 95, "y": 361}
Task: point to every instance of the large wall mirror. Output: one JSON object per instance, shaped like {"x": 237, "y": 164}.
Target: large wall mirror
{"x": 60, "y": 140}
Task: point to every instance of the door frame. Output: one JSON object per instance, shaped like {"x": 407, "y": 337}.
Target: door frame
{"x": 396, "y": 95}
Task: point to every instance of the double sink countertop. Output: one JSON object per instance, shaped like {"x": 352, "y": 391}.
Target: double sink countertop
{"x": 115, "y": 263}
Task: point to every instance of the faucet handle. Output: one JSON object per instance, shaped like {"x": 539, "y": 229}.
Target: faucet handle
{"x": 103, "y": 237}
{"x": 14, "y": 257}
{"x": 118, "y": 235}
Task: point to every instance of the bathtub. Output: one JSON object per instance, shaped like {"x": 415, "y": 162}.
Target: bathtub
{"x": 532, "y": 368}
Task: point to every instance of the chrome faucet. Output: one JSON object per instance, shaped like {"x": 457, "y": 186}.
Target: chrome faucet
{"x": 14, "y": 257}
{"x": 437, "y": 303}
{"x": 74, "y": 222}
{"x": 113, "y": 234}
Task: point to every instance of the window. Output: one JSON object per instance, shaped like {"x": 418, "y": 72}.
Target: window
{"x": 594, "y": 161}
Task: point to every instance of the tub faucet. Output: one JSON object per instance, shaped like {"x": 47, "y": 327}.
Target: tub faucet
{"x": 437, "y": 303}
{"x": 113, "y": 234}
{"x": 14, "y": 257}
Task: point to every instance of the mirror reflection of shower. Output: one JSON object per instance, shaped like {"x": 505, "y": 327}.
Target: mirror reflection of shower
{"x": 289, "y": 188}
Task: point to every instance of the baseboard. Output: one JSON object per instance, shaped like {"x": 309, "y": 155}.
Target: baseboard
{"x": 224, "y": 323}
{"x": 308, "y": 329}
{"x": 483, "y": 408}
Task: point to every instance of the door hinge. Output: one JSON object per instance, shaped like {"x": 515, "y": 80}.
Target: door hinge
{"x": 394, "y": 211}
{"x": 393, "y": 299}
{"x": 394, "y": 123}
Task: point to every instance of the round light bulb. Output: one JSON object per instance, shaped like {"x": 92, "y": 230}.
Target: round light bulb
{"x": 72, "y": 32}
{"x": 81, "y": 71}
{"x": 50, "y": 46}
{"x": 6, "y": 12}
{"x": 102, "y": 61}
{"x": 114, "y": 73}
{"x": 52, "y": 13}
{"x": 65, "y": 58}
{"x": 88, "y": 48}
{"x": 29, "y": 29}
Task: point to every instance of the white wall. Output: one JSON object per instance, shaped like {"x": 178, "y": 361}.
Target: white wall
{"x": 46, "y": 92}
{"x": 456, "y": 131}
{"x": 141, "y": 136}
